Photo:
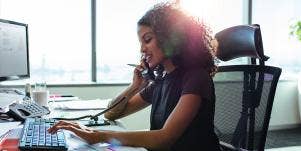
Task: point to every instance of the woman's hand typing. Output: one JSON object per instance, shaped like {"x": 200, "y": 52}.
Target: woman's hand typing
{"x": 90, "y": 135}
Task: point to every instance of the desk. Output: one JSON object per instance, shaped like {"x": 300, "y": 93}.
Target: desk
{"x": 75, "y": 143}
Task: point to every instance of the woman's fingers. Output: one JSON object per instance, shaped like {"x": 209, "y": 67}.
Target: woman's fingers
{"x": 56, "y": 126}
{"x": 85, "y": 134}
{"x": 65, "y": 126}
{"x": 137, "y": 74}
{"x": 70, "y": 128}
{"x": 140, "y": 68}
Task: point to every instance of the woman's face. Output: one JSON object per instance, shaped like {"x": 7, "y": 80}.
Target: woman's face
{"x": 149, "y": 47}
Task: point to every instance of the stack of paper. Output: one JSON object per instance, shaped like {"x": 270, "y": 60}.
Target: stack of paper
{"x": 82, "y": 104}
{"x": 77, "y": 144}
{"x": 5, "y": 127}
{"x": 8, "y": 98}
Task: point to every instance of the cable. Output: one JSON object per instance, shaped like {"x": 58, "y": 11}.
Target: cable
{"x": 93, "y": 117}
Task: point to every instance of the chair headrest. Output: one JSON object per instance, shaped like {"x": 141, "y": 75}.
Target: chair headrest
{"x": 240, "y": 41}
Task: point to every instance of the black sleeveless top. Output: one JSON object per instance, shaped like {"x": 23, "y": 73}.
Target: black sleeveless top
{"x": 164, "y": 95}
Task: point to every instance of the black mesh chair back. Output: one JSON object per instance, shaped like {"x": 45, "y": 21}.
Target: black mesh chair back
{"x": 244, "y": 93}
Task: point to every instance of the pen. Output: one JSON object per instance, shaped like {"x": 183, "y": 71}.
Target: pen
{"x": 109, "y": 149}
{"x": 132, "y": 65}
{"x": 66, "y": 96}
{"x": 56, "y": 96}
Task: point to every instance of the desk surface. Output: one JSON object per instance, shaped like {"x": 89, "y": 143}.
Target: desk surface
{"x": 75, "y": 143}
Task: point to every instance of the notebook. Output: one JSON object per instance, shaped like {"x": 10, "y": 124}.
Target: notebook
{"x": 96, "y": 104}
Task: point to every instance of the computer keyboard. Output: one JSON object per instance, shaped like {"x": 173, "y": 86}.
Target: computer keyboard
{"x": 35, "y": 137}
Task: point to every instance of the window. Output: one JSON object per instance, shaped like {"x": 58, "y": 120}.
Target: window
{"x": 275, "y": 17}
{"x": 59, "y": 37}
{"x": 219, "y": 14}
{"x": 117, "y": 41}
{"x": 60, "y": 34}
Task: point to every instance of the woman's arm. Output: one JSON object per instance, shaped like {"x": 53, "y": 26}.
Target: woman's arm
{"x": 117, "y": 111}
{"x": 132, "y": 101}
{"x": 185, "y": 111}
{"x": 177, "y": 122}
{"x": 127, "y": 107}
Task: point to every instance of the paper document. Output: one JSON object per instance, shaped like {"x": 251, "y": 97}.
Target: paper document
{"x": 126, "y": 148}
{"x": 77, "y": 144}
{"x": 6, "y": 126}
{"x": 8, "y": 98}
{"x": 82, "y": 104}
{"x": 58, "y": 99}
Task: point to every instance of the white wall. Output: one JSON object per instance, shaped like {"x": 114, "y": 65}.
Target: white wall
{"x": 285, "y": 110}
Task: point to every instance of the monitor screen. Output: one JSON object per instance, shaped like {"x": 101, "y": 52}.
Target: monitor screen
{"x": 14, "y": 56}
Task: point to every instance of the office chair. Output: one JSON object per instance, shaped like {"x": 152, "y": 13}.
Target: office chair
{"x": 244, "y": 93}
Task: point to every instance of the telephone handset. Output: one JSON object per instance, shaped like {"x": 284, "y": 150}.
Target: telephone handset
{"x": 148, "y": 73}
{"x": 26, "y": 109}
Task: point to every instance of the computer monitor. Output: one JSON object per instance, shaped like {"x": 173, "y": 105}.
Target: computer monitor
{"x": 14, "y": 55}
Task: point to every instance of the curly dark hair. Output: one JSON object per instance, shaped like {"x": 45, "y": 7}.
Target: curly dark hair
{"x": 183, "y": 38}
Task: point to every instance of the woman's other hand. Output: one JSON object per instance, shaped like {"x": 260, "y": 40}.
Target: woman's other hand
{"x": 91, "y": 136}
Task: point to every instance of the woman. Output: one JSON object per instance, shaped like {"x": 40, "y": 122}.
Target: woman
{"x": 179, "y": 48}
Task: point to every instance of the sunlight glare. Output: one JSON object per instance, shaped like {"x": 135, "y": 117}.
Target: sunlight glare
{"x": 203, "y": 9}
